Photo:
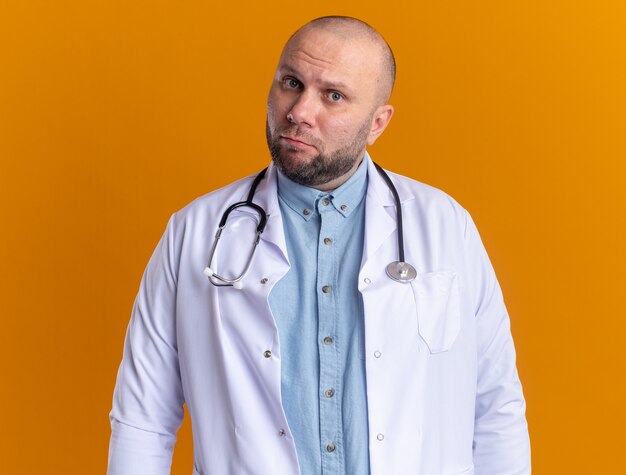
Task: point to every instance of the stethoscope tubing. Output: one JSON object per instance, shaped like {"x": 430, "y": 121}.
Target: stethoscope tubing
{"x": 396, "y": 199}
{"x": 399, "y": 271}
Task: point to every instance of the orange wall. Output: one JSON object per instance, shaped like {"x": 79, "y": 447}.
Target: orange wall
{"x": 115, "y": 114}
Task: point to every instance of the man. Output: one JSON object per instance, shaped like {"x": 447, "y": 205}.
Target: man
{"x": 318, "y": 360}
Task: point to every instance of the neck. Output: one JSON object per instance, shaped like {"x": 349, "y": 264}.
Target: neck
{"x": 340, "y": 180}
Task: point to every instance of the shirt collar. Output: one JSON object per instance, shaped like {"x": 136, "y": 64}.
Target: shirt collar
{"x": 303, "y": 199}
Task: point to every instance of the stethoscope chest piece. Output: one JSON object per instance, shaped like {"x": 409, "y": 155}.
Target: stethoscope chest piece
{"x": 402, "y": 272}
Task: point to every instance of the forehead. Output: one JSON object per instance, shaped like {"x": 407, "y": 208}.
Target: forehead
{"x": 328, "y": 56}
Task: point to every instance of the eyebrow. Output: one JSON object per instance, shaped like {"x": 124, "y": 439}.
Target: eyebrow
{"x": 326, "y": 84}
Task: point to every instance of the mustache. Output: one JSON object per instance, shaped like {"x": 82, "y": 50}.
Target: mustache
{"x": 295, "y": 132}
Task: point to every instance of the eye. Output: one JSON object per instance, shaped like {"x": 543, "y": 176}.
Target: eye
{"x": 335, "y": 96}
{"x": 291, "y": 83}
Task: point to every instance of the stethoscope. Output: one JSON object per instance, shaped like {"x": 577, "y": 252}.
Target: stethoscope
{"x": 399, "y": 271}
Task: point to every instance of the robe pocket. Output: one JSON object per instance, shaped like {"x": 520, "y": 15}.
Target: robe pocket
{"x": 438, "y": 312}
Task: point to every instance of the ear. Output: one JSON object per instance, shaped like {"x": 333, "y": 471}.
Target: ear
{"x": 380, "y": 119}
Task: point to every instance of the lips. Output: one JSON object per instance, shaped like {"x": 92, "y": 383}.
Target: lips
{"x": 296, "y": 143}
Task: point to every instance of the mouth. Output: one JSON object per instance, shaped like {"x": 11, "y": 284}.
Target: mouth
{"x": 295, "y": 143}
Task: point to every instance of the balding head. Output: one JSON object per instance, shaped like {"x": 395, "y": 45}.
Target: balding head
{"x": 354, "y": 30}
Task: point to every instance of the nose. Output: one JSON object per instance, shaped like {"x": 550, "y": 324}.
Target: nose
{"x": 303, "y": 111}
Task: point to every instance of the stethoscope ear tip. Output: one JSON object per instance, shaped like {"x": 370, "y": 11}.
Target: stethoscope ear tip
{"x": 238, "y": 285}
{"x": 208, "y": 272}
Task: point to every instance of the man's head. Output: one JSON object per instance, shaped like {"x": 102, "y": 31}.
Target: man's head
{"x": 328, "y": 100}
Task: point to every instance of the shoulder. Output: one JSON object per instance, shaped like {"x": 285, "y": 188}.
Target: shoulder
{"x": 427, "y": 199}
{"x": 212, "y": 203}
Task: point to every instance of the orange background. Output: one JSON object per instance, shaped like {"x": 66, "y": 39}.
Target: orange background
{"x": 115, "y": 114}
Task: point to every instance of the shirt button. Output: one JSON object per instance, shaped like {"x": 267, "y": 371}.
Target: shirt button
{"x": 330, "y": 447}
{"x": 344, "y": 208}
{"x": 267, "y": 353}
{"x": 377, "y": 354}
{"x": 264, "y": 280}
{"x": 325, "y": 201}
{"x": 306, "y": 211}
{"x": 328, "y": 241}
{"x": 326, "y": 289}
{"x": 380, "y": 436}
{"x": 367, "y": 280}
{"x": 281, "y": 432}
{"x": 329, "y": 393}
{"x": 328, "y": 341}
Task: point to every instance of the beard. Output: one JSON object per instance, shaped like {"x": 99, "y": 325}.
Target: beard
{"x": 321, "y": 168}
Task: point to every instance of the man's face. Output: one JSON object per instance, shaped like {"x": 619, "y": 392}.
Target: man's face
{"x": 324, "y": 107}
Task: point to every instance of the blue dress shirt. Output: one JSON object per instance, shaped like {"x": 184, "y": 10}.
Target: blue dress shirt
{"x": 319, "y": 313}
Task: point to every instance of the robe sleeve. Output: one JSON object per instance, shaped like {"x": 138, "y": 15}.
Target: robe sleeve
{"x": 501, "y": 442}
{"x": 148, "y": 398}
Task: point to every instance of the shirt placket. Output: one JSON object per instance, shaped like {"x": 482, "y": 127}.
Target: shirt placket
{"x": 329, "y": 343}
